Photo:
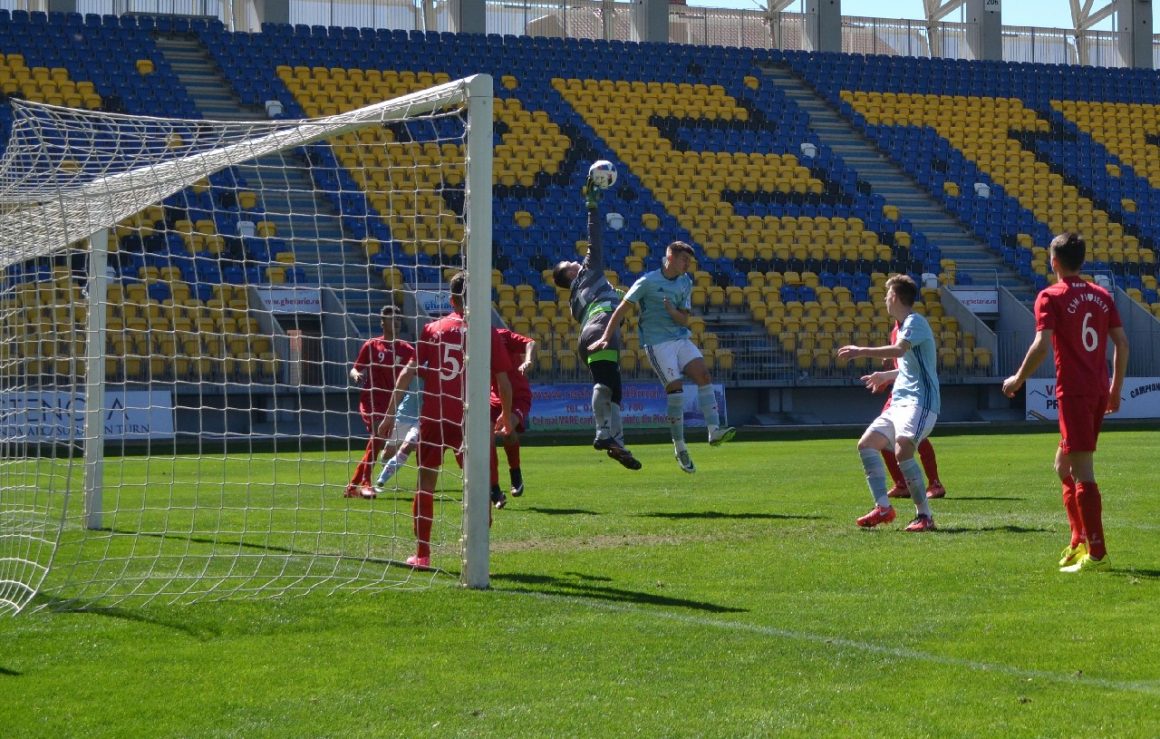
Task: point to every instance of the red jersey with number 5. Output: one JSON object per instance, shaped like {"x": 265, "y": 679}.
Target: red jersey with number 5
{"x": 442, "y": 344}
{"x": 1079, "y": 314}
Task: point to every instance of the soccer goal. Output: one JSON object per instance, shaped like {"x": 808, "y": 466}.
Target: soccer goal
{"x": 181, "y": 303}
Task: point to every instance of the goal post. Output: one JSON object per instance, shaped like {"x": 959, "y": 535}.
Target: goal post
{"x": 181, "y": 303}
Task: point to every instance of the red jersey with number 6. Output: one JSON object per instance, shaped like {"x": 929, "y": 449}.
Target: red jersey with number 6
{"x": 440, "y": 351}
{"x": 1079, "y": 315}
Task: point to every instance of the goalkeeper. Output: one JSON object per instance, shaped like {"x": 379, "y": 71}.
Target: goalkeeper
{"x": 592, "y": 301}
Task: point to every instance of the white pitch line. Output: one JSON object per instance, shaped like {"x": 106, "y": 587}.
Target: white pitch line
{"x": 1146, "y": 687}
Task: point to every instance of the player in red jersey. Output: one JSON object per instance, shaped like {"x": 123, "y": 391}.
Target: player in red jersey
{"x": 439, "y": 362}
{"x": 934, "y": 487}
{"x": 521, "y": 352}
{"x": 376, "y": 369}
{"x": 1076, "y": 319}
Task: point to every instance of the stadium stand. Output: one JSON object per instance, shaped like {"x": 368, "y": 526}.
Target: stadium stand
{"x": 793, "y": 243}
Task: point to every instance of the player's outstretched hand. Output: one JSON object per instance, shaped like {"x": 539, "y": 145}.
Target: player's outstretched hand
{"x": 1113, "y": 402}
{"x": 597, "y": 345}
{"x": 1012, "y": 384}
{"x": 503, "y": 426}
{"x": 849, "y": 352}
{"x": 876, "y": 382}
{"x": 591, "y": 193}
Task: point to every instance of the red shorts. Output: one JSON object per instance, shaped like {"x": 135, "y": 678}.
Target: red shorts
{"x": 521, "y": 409}
{"x": 1080, "y": 419}
{"x": 434, "y": 437}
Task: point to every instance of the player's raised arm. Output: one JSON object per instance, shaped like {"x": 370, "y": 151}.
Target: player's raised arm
{"x": 595, "y": 257}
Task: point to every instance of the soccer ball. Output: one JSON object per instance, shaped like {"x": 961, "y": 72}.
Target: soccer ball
{"x": 602, "y": 173}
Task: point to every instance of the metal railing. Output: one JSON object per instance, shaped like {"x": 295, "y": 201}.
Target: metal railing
{"x": 609, "y": 20}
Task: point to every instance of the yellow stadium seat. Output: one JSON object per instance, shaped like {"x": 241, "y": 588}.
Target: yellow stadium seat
{"x": 716, "y": 295}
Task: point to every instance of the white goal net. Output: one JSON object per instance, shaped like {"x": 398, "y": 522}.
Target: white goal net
{"x": 181, "y": 306}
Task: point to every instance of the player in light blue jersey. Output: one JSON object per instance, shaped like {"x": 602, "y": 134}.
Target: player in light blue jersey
{"x": 404, "y": 436}
{"x": 664, "y": 296}
{"x": 914, "y": 405}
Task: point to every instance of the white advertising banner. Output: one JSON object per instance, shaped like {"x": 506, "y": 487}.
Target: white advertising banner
{"x": 1140, "y": 399}
{"x": 978, "y": 300}
{"x": 292, "y": 299}
{"x": 58, "y": 415}
{"x": 434, "y": 301}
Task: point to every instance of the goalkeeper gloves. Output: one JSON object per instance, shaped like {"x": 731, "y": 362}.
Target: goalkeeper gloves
{"x": 591, "y": 194}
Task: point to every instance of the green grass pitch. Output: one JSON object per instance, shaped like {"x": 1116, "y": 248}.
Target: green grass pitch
{"x": 739, "y": 601}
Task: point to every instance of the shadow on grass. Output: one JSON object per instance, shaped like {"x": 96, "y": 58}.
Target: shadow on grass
{"x": 52, "y": 603}
{"x": 1008, "y": 529}
{"x": 953, "y": 498}
{"x": 64, "y": 605}
{"x": 561, "y": 511}
{"x": 1137, "y": 573}
{"x": 582, "y": 586}
{"x": 9, "y": 673}
{"x": 727, "y": 516}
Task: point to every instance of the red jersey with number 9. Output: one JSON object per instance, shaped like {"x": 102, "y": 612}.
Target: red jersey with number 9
{"x": 439, "y": 355}
{"x": 1079, "y": 314}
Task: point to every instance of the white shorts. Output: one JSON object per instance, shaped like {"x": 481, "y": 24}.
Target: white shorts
{"x": 404, "y": 432}
{"x": 669, "y": 358}
{"x": 906, "y": 421}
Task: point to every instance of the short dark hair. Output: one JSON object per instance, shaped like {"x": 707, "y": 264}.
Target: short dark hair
{"x": 680, "y": 247}
{"x": 458, "y": 285}
{"x": 389, "y": 312}
{"x": 904, "y": 287}
{"x": 1070, "y": 249}
{"x": 560, "y": 275}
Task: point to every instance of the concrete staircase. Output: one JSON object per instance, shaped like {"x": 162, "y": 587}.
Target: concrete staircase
{"x": 203, "y": 79}
{"x": 887, "y": 179}
{"x": 287, "y": 192}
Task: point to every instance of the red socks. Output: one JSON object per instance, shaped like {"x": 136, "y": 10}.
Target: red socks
{"x": 493, "y": 467}
{"x": 929, "y": 462}
{"x": 1071, "y": 505}
{"x": 1090, "y": 507}
{"x": 423, "y": 510}
{"x": 364, "y": 473}
{"x": 511, "y": 447}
